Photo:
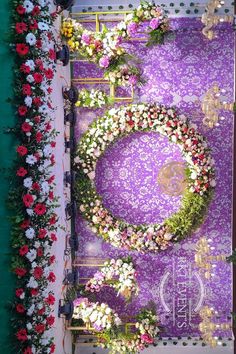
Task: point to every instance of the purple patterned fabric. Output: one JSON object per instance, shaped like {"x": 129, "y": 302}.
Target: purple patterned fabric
{"x": 178, "y": 74}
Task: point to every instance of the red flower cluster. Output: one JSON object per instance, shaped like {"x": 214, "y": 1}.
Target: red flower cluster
{"x": 36, "y": 219}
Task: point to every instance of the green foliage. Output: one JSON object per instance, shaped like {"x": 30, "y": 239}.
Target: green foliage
{"x": 189, "y": 216}
{"x": 157, "y": 36}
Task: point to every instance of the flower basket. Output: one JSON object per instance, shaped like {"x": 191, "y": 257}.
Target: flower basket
{"x": 66, "y": 309}
{"x": 63, "y": 54}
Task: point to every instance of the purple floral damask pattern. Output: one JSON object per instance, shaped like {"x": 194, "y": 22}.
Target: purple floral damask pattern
{"x": 177, "y": 74}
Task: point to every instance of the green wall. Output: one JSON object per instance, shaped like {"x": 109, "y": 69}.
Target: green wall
{"x": 6, "y": 156}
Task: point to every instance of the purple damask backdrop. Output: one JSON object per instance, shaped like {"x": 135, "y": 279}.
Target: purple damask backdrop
{"x": 177, "y": 74}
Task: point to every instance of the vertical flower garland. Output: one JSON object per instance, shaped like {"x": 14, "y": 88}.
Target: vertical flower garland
{"x": 32, "y": 197}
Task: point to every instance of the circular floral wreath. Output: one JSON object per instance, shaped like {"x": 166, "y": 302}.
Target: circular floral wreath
{"x": 119, "y": 122}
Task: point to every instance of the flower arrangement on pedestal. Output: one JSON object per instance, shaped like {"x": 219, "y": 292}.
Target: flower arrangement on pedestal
{"x": 119, "y": 274}
{"x": 32, "y": 194}
{"x": 99, "y": 316}
{"x": 93, "y": 99}
{"x": 105, "y": 47}
{"x": 135, "y": 339}
{"x": 199, "y": 175}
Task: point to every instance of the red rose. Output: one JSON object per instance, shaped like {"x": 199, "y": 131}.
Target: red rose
{"x": 35, "y": 186}
{"x": 26, "y": 127}
{"x": 22, "y": 335}
{"x": 26, "y": 89}
{"x": 52, "y": 259}
{"x": 40, "y": 209}
{"x": 20, "y": 271}
{"x": 38, "y": 137}
{"x": 21, "y": 172}
{"x": 51, "y": 195}
{"x": 36, "y": 11}
{"x": 41, "y": 311}
{"x": 52, "y": 159}
{"x": 21, "y": 27}
{"x": 33, "y": 25}
{"x": 49, "y": 90}
{"x": 38, "y": 78}
{"x": 39, "y": 252}
{"x": 25, "y": 69}
{"x": 53, "y": 144}
{"x": 20, "y": 308}
{"x": 40, "y": 328}
{"x": 22, "y": 110}
{"x": 34, "y": 292}
{"x": 50, "y": 300}
{"x": 28, "y": 200}
{"x": 20, "y": 9}
{"x": 28, "y": 350}
{"x": 51, "y": 277}
{"x": 38, "y": 43}
{"x": 25, "y": 224}
{"x": 22, "y": 150}
{"x": 48, "y": 73}
{"x": 37, "y": 119}
{"x": 37, "y": 101}
{"x": 52, "y": 348}
{"x": 50, "y": 320}
{"x": 38, "y": 272}
{"x": 23, "y": 250}
{"x": 42, "y": 233}
{"x": 53, "y": 237}
{"x": 52, "y": 220}
{"x": 22, "y": 49}
{"x": 19, "y": 292}
{"x": 51, "y": 179}
{"x": 52, "y": 54}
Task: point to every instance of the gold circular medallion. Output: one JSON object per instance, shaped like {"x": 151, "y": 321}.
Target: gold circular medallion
{"x": 172, "y": 179}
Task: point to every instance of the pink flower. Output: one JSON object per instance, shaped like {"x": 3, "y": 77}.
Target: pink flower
{"x": 86, "y": 38}
{"x": 147, "y": 338}
{"x": 133, "y": 79}
{"x": 79, "y": 301}
{"x": 104, "y": 62}
{"x": 154, "y": 23}
{"x": 132, "y": 28}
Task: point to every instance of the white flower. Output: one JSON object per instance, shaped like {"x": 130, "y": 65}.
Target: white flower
{"x": 30, "y": 78}
{"x": 31, "y": 159}
{"x": 45, "y": 187}
{"x": 31, "y": 310}
{"x": 32, "y": 283}
{"x": 43, "y": 2}
{"x": 30, "y": 39}
{"x": 212, "y": 183}
{"x": 30, "y": 63}
{"x": 47, "y": 150}
{"x": 28, "y": 101}
{"x": 43, "y": 26}
{"x": 28, "y": 5}
{"x": 30, "y": 212}
{"x": 28, "y": 182}
{"x": 29, "y": 326}
{"x": 30, "y": 233}
{"x": 43, "y": 109}
{"x": 31, "y": 255}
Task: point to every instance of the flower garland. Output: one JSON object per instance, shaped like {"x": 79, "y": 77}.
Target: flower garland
{"x": 199, "y": 173}
{"x": 32, "y": 198}
{"x": 98, "y": 316}
{"x": 93, "y": 99}
{"x": 146, "y": 330}
{"x": 104, "y": 48}
{"x": 123, "y": 269}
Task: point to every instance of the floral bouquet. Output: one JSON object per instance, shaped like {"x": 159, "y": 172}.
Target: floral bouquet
{"x": 93, "y": 99}
{"x": 145, "y": 331}
{"x": 99, "y": 316}
{"x": 119, "y": 274}
{"x": 124, "y": 75}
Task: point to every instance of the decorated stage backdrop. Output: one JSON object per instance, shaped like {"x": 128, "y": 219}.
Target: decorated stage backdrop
{"x": 140, "y": 179}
